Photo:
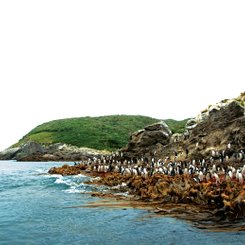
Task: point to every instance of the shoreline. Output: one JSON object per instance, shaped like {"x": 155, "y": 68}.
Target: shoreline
{"x": 207, "y": 205}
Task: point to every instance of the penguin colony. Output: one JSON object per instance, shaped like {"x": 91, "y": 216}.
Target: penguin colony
{"x": 218, "y": 167}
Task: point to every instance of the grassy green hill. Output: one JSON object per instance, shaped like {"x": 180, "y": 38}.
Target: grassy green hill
{"x": 102, "y": 133}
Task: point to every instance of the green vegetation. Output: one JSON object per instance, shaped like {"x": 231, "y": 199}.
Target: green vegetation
{"x": 102, "y": 133}
{"x": 176, "y": 126}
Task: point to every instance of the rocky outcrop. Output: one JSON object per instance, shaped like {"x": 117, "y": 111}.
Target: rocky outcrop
{"x": 148, "y": 140}
{"x": 9, "y": 153}
{"x": 32, "y": 151}
{"x": 68, "y": 170}
{"x": 220, "y": 127}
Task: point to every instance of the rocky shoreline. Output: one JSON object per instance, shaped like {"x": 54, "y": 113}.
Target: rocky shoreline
{"x": 197, "y": 175}
{"x": 181, "y": 196}
{"x": 32, "y": 151}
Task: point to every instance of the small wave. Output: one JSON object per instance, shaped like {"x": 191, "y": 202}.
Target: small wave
{"x": 68, "y": 181}
{"x": 75, "y": 184}
{"x": 60, "y": 181}
{"x": 74, "y": 191}
{"x": 39, "y": 170}
{"x": 81, "y": 188}
{"x": 53, "y": 175}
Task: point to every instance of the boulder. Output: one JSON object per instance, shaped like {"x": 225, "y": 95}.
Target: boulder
{"x": 148, "y": 139}
{"x": 32, "y": 148}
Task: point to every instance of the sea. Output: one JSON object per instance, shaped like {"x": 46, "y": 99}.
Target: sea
{"x": 38, "y": 208}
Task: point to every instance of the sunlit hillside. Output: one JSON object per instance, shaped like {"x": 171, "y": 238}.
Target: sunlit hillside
{"x": 103, "y": 133}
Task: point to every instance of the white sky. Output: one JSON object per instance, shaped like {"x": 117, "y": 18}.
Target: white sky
{"x": 164, "y": 59}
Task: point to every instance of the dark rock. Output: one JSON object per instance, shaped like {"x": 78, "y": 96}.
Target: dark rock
{"x": 32, "y": 151}
{"x": 148, "y": 139}
{"x": 9, "y": 153}
{"x": 32, "y": 148}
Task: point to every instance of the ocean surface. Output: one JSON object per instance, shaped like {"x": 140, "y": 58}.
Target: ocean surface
{"x": 38, "y": 208}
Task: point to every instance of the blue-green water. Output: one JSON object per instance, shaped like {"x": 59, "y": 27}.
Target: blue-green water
{"x": 36, "y": 208}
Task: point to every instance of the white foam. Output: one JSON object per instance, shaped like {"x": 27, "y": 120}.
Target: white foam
{"x": 40, "y": 171}
{"x": 80, "y": 175}
{"x": 60, "y": 181}
{"x": 68, "y": 181}
{"x": 72, "y": 191}
{"x": 53, "y": 175}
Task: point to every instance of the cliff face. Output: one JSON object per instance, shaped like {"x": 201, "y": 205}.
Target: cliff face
{"x": 221, "y": 127}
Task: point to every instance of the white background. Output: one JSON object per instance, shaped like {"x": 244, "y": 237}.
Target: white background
{"x": 164, "y": 59}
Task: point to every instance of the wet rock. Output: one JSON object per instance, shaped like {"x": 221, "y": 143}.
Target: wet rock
{"x": 238, "y": 205}
{"x": 68, "y": 170}
{"x": 226, "y": 199}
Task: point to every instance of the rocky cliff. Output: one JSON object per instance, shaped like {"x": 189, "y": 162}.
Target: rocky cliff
{"x": 219, "y": 128}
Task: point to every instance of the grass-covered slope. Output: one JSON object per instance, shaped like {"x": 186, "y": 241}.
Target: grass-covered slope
{"x": 106, "y": 132}
{"x": 102, "y": 133}
{"x": 176, "y": 126}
